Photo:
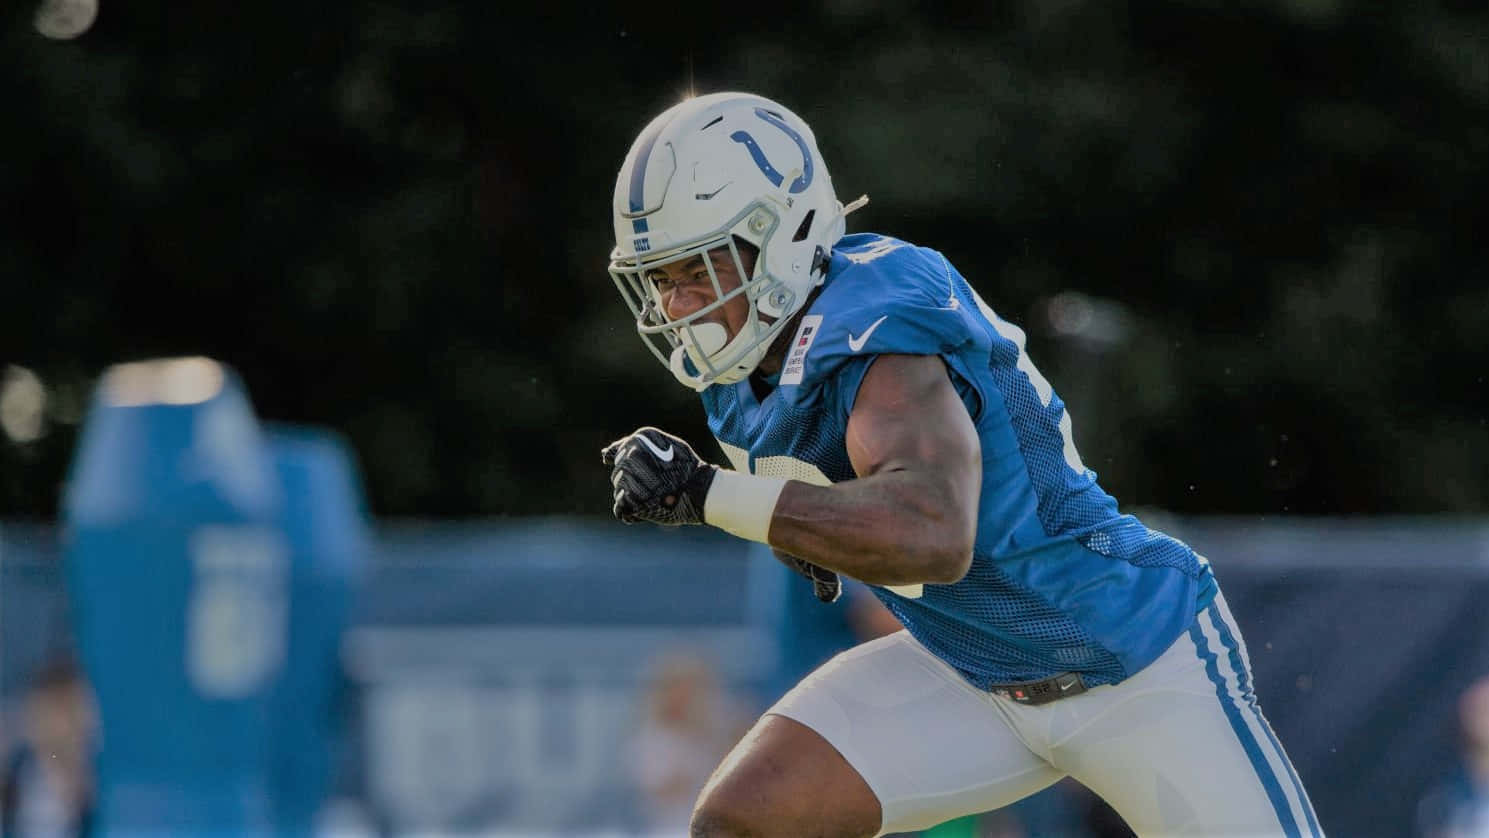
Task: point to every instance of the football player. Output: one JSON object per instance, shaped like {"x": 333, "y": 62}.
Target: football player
{"x": 884, "y": 423}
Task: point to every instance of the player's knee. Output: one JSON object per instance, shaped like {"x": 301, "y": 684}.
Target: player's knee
{"x": 758, "y": 816}
{"x": 719, "y": 813}
{"x": 785, "y": 780}
{"x": 717, "y": 823}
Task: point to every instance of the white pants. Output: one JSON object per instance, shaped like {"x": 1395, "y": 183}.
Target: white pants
{"x": 1180, "y": 748}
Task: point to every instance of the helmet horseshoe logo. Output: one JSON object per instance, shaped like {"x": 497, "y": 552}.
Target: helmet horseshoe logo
{"x": 775, "y": 177}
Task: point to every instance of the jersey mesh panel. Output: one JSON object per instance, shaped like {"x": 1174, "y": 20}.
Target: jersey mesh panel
{"x": 793, "y": 429}
{"x": 983, "y": 657}
{"x": 992, "y": 629}
{"x": 992, "y": 600}
{"x": 993, "y": 606}
{"x": 1070, "y": 502}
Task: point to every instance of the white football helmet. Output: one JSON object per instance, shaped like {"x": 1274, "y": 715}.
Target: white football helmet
{"x": 707, "y": 171}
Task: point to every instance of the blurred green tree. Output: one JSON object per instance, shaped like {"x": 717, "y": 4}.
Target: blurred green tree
{"x": 392, "y": 218}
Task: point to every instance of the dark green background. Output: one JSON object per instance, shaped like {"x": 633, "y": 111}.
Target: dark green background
{"x": 393, "y": 219}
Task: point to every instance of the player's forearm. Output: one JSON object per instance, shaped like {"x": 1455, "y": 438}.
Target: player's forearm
{"x": 891, "y": 528}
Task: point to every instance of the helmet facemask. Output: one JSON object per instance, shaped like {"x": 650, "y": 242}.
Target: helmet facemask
{"x": 696, "y": 348}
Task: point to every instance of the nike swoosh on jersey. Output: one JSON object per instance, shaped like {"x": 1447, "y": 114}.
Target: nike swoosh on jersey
{"x": 663, "y": 455}
{"x": 856, "y": 343}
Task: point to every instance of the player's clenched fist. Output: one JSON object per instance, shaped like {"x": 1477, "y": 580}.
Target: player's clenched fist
{"x": 657, "y": 477}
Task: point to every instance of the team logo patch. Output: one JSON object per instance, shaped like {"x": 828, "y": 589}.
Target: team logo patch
{"x": 796, "y": 359}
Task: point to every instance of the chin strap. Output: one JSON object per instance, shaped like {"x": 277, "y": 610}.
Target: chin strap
{"x": 680, "y": 371}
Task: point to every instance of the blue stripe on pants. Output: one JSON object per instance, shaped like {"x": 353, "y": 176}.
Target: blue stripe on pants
{"x": 1229, "y": 641}
{"x": 1243, "y": 734}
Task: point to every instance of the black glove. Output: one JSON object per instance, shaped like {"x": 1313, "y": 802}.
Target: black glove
{"x": 825, "y": 583}
{"x": 658, "y": 478}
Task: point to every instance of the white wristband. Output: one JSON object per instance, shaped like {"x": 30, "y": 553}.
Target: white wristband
{"x": 742, "y": 504}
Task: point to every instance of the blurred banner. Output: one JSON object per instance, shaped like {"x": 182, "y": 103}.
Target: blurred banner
{"x": 503, "y": 671}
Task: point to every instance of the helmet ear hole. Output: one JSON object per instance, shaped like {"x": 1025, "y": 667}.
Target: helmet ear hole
{"x": 806, "y": 227}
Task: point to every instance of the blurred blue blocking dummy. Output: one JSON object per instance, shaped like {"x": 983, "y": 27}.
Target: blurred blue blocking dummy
{"x": 197, "y": 552}
{"x": 325, "y": 518}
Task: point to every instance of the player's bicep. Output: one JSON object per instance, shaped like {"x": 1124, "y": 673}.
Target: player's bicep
{"x": 908, "y": 416}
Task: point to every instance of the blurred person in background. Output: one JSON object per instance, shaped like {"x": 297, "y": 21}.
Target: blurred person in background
{"x": 1459, "y": 806}
{"x": 690, "y": 724}
{"x": 47, "y": 788}
{"x": 885, "y": 424}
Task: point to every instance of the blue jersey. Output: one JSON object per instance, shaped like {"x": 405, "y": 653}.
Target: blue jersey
{"x": 1060, "y": 580}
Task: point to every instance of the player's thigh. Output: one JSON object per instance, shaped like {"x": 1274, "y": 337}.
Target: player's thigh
{"x": 1184, "y": 748}
{"x": 928, "y": 746}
